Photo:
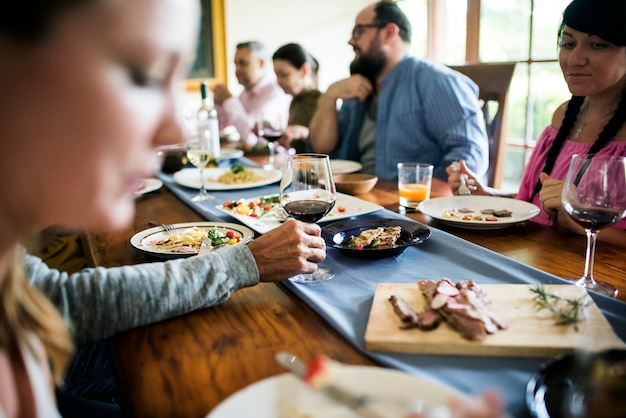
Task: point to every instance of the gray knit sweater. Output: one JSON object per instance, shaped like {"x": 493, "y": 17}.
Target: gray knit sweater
{"x": 100, "y": 302}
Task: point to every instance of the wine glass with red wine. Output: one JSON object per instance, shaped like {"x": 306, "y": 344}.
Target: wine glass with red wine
{"x": 270, "y": 126}
{"x": 307, "y": 193}
{"x": 594, "y": 196}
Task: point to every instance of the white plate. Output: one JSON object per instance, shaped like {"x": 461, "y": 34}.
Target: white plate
{"x": 142, "y": 240}
{"x": 286, "y": 396}
{"x": 346, "y": 206}
{"x": 230, "y": 153}
{"x": 521, "y": 210}
{"x": 190, "y": 177}
{"x": 344, "y": 166}
{"x": 149, "y": 185}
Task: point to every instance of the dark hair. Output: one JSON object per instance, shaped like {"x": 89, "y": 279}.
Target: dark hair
{"x": 603, "y": 18}
{"x": 32, "y": 20}
{"x": 390, "y": 12}
{"x": 296, "y": 55}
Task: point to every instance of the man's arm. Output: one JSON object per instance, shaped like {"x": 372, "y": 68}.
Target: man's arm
{"x": 324, "y": 129}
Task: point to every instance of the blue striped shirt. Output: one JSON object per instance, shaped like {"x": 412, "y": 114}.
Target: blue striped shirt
{"x": 426, "y": 112}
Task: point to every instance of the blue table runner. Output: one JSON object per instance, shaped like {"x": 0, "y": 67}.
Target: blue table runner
{"x": 346, "y": 300}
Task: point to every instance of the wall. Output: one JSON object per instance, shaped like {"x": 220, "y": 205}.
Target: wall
{"x": 322, "y": 26}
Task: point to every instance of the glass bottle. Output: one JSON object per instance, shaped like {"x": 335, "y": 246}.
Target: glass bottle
{"x": 207, "y": 122}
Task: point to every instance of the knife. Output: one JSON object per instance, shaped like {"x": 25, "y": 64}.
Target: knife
{"x": 358, "y": 404}
{"x": 205, "y": 246}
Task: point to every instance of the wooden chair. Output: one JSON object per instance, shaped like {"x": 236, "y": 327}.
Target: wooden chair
{"x": 493, "y": 81}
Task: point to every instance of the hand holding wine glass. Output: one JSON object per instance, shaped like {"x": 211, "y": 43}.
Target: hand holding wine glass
{"x": 307, "y": 193}
{"x": 594, "y": 197}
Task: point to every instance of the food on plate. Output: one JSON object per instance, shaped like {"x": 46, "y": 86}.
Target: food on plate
{"x": 239, "y": 174}
{"x": 189, "y": 240}
{"x": 381, "y": 237}
{"x": 463, "y": 306}
{"x": 255, "y": 208}
{"x": 469, "y": 214}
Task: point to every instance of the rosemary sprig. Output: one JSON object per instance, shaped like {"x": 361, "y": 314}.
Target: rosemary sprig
{"x": 566, "y": 311}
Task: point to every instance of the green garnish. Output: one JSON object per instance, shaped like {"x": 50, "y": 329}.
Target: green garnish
{"x": 566, "y": 311}
{"x": 237, "y": 168}
{"x": 216, "y": 237}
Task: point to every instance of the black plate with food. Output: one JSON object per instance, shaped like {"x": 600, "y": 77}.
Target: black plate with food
{"x": 369, "y": 237}
{"x": 579, "y": 384}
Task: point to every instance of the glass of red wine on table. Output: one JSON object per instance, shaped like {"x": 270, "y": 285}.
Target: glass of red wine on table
{"x": 307, "y": 193}
{"x": 594, "y": 196}
{"x": 270, "y": 126}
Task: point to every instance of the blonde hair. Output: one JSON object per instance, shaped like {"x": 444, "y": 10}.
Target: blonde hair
{"x": 23, "y": 309}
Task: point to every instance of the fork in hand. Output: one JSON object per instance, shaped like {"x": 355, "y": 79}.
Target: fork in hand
{"x": 463, "y": 190}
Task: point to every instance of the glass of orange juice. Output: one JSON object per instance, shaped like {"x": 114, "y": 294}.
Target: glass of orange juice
{"x": 414, "y": 180}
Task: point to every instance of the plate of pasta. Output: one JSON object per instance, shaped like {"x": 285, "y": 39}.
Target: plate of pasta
{"x": 184, "y": 239}
{"x": 227, "y": 178}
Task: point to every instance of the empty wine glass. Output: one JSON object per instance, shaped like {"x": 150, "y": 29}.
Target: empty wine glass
{"x": 594, "y": 197}
{"x": 203, "y": 148}
{"x": 270, "y": 126}
{"x": 307, "y": 193}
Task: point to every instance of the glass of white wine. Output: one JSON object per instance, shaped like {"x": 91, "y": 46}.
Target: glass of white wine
{"x": 202, "y": 149}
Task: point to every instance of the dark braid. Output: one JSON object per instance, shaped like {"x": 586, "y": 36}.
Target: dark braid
{"x": 612, "y": 127}
{"x": 608, "y": 133}
{"x": 571, "y": 113}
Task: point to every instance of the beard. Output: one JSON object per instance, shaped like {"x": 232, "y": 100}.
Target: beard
{"x": 369, "y": 65}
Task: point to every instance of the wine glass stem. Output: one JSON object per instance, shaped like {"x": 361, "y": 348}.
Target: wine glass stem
{"x": 589, "y": 256}
{"x": 270, "y": 148}
{"x": 202, "y": 188}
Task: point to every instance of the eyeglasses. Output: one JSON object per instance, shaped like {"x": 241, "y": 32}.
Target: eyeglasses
{"x": 360, "y": 28}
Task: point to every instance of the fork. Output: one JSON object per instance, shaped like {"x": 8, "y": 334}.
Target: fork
{"x": 169, "y": 228}
{"x": 463, "y": 189}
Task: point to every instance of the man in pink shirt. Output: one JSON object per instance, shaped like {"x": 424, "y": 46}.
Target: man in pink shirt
{"x": 261, "y": 93}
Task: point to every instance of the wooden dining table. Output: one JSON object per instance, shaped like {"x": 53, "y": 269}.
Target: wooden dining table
{"x": 185, "y": 366}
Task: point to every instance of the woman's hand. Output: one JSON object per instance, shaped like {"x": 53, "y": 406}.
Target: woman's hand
{"x": 474, "y": 185}
{"x": 292, "y": 132}
{"x": 550, "y": 199}
{"x": 294, "y": 247}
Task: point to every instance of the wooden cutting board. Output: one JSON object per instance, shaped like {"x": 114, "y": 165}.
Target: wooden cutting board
{"x": 530, "y": 333}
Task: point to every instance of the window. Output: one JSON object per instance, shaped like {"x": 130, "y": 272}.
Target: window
{"x": 455, "y": 32}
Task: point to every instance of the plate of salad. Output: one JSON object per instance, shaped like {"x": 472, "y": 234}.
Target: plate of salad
{"x": 265, "y": 213}
{"x": 185, "y": 238}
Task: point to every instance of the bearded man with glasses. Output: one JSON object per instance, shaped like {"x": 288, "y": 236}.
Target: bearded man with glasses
{"x": 397, "y": 107}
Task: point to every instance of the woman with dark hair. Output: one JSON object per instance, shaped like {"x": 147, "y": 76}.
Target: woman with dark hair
{"x": 296, "y": 72}
{"x": 592, "y": 56}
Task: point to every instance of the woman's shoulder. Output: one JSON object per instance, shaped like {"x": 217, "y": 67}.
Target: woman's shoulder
{"x": 558, "y": 115}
